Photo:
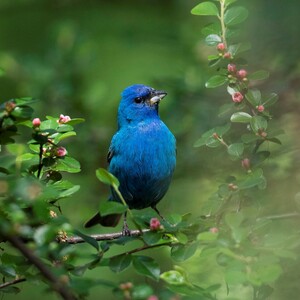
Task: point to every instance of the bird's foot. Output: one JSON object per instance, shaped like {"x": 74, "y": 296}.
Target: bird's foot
{"x": 126, "y": 231}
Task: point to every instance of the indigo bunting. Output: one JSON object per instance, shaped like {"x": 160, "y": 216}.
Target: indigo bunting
{"x": 142, "y": 153}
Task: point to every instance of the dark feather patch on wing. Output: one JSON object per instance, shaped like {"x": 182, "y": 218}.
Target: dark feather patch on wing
{"x": 110, "y": 155}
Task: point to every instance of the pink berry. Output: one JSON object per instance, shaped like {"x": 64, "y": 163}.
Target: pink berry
{"x": 242, "y": 73}
{"x": 260, "y": 108}
{"x": 246, "y": 163}
{"x": 36, "y": 122}
{"x": 227, "y": 55}
{"x": 63, "y": 119}
{"x": 154, "y": 224}
{"x": 214, "y": 230}
{"x": 221, "y": 46}
{"x": 231, "y": 68}
{"x": 152, "y": 297}
{"x": 61, "y": 152}
{"x": 237, "y": 97}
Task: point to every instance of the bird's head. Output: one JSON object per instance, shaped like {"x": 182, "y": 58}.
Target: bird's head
{"x": 138, "y": 103}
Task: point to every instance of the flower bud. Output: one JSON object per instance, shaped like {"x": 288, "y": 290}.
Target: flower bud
{"x": 126, "y": 286}
{"x": 36, "y": 122}
{"x": 260, "y": 108}
{"x": 242, "y": 73}
{"x": 231, "y": 68}
{"x": 155, "y": 224}
{"x": 63, "y": 119}
{"x": 227, "y": 55}
{"x": 152, "y": 297}
{"x": 232, "y": 186}
{"x": 61, "y": 152}
{"x": 237, "y": 97}
{"x": 221, "y": 47}
{"x": 10, "y": 106}
{"x": 215, "y": 135}
{"x": 214, "y": 230}
{"x": 246, "y": 164}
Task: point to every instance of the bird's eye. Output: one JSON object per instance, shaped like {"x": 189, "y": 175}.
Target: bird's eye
{"x": 138, "y": 100}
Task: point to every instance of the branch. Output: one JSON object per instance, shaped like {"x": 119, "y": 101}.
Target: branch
{"x": 55, "y": 283}
{"x": 99, "y": 237}
{"x": 9, "y": 283}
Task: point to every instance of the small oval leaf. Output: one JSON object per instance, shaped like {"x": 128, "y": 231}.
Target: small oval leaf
{"x": 240, "y": 117}
{"x": 215, "y": 81}
{"x": 205, "y": 9}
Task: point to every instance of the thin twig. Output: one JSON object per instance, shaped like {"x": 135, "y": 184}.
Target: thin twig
{"x": 54, "y": 282}
{"x": 99, "y": 237}
{"x": 9, "y": 283}
{"x": 282, "y": 216}
{"x": 40, "y": 161}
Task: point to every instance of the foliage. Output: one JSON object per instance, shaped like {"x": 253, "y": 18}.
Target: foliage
{"x": 37, "y": 239}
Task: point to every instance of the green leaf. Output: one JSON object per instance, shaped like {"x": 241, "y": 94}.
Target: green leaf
{"x": 259, "y": 75}
{"x": 205, "y": 9}
{"x": 236, "y": 149}
{"x": 235, "y": 15}
{"x": 212, "y": 40}
{"x": 88, "y": 239}
{"x": 240, "y": 117}
{"x": 259, "y": 157}
{"x": 106, "y": 177}
{"x": 258, "y": 123}
{"x": 120, "y": 262}
{"x": 234, "y": 220}
{"x": 152, "y": 237}
{"x": 207, "y": 236}
{"x": 183, "y": 252}
{"x": 61, "y": 136}
{"x": 229, "y": 2}
{"x": 146, "y": 265}
{"x": 142, "y": 291}
{"x": 68, "y": 192}
{"x": 173, "y": 278}
{"x": 22, "y": 112}
{"x": 271, "y": 100}
{"x": 7, "y": 270}
{"x": 238, "y": 48}
{"x": 208, "y": 139}
{"x": 252, "y": 179}
{"x": 111, "y": 207}
{"x": 75, "y": 121}
{"x": 213, "y": 28}
{"x": 249, "y": 138}
{"x": 254, "y": 96}
{"x": 67, "y": 164}
{"x": 24, "y": 100}
{"x": 215, "y": 81}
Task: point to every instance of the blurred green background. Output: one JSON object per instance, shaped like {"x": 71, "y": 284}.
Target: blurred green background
{"x": 76, "y": 56}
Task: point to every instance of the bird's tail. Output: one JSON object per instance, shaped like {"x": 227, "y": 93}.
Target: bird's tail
{"x": 107, "y": 221}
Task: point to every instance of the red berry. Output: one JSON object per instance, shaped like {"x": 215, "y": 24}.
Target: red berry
{"x": 242, "y": 73}
{"x": 36, "y": 122}
{"x": 155, "y": 224}
{"x": 61, "y": 152}
{"x": 237, "y": 97}
{"x": 260, "y": 108}
{"x": 231, "y": 68}
{"x": 227, "y": 55}
{"x": 221, "y": 47}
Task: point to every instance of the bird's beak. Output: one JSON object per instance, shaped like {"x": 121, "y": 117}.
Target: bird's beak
{"x": 156, "y": 96}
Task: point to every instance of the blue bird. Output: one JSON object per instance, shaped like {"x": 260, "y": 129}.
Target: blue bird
{"x": 142, "y": 153}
